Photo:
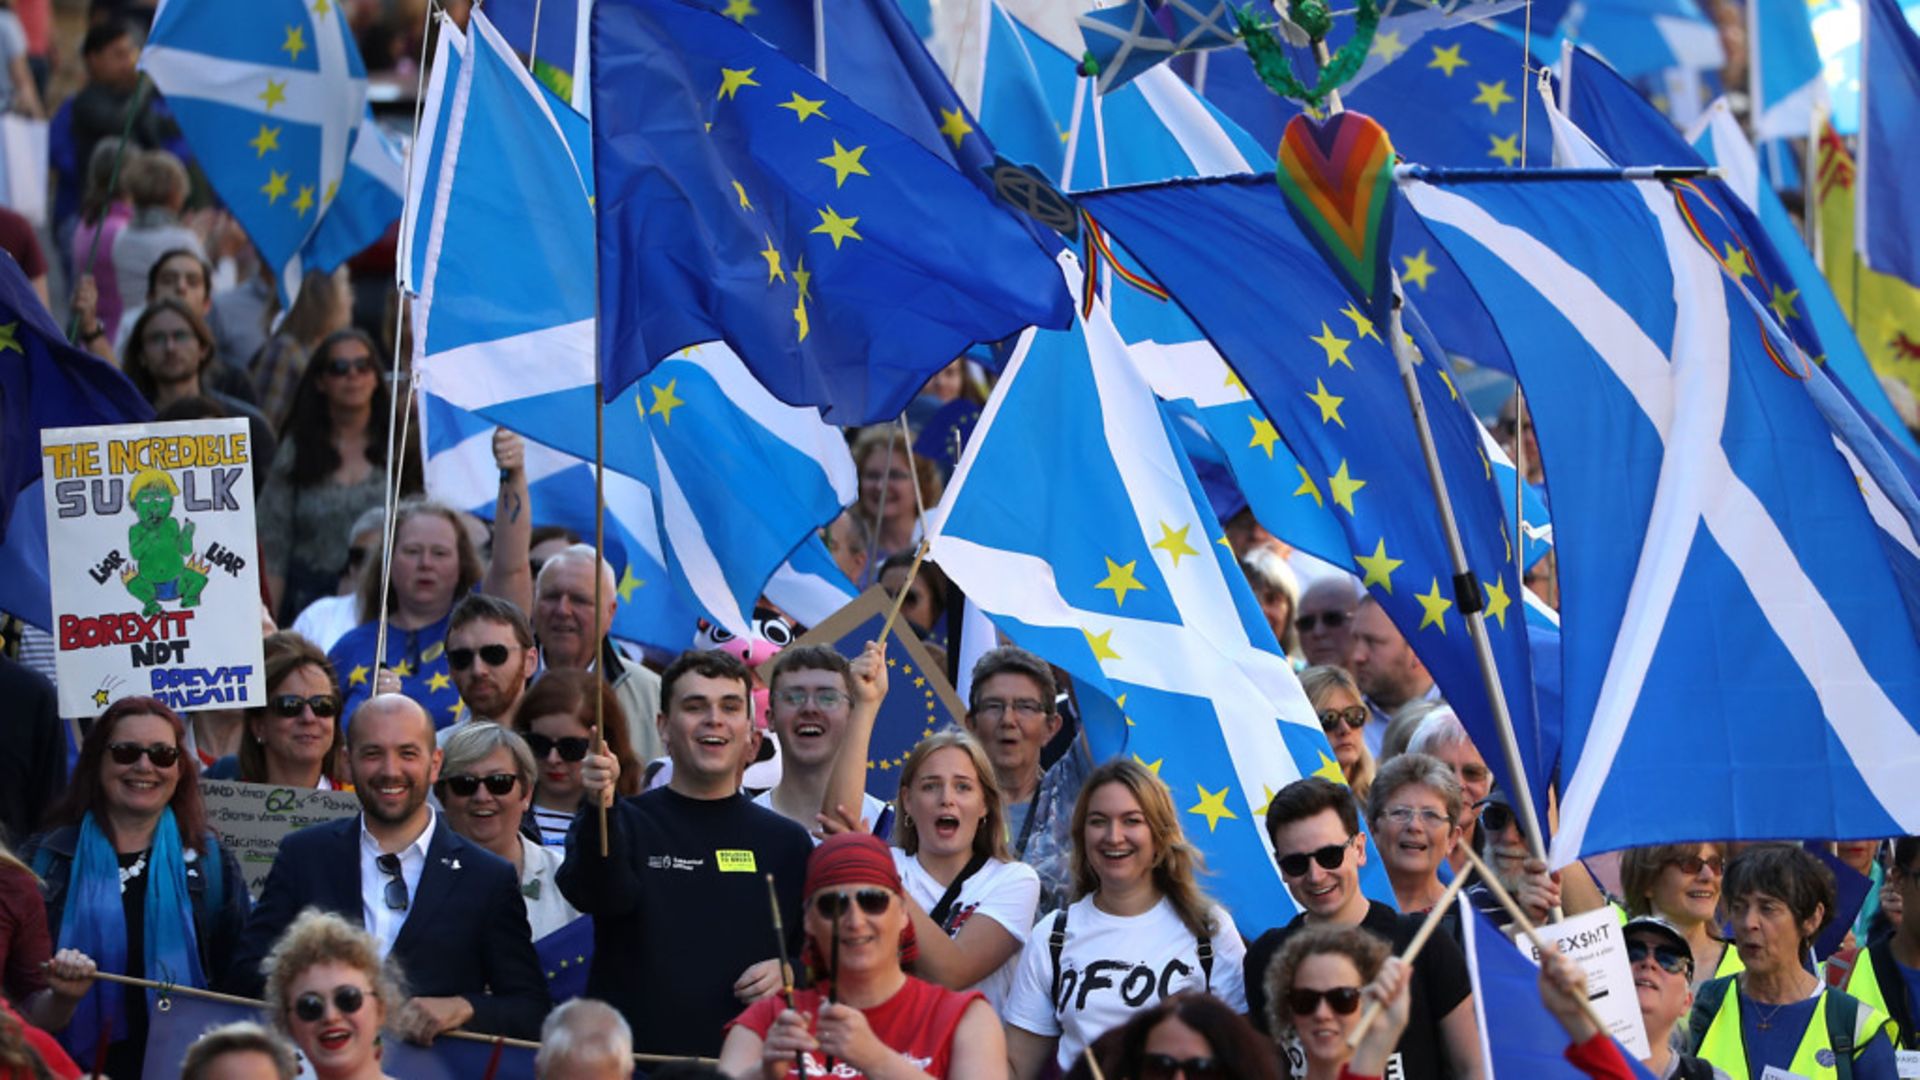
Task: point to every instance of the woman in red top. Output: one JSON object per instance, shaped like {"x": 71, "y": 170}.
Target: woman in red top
{"x": 864, "y": 1012}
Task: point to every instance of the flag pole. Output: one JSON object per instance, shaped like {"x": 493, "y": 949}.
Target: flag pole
{"x": 1466, "y": 585}
{"x": 599, "y": 552}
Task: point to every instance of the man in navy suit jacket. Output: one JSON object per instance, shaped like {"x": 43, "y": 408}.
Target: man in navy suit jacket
{"x": 447, "y": 911}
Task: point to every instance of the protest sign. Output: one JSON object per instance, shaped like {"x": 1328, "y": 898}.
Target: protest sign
{"x": 151, "y": 547}
{"x": 1594, "y": 941}
{"x": 252, "y": 819}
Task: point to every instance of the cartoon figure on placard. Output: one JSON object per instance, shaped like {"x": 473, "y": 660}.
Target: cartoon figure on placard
{"x": 160, "y": 547}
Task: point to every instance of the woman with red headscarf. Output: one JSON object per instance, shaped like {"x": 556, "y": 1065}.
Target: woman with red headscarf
{"x": 863, "y": 1010}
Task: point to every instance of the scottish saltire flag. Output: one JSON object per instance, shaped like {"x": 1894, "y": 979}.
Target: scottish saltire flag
{"x": 1759, "y": 243}
{"x": 1523, "y": 1041}
{"x": 1731, "y": 619}
{"x": 429, "y": 152}
{"x": 1887, "y": 203}
{"x": 1784, "y": 66}
{"x": 1320, "y": 368}
{"x": 272, "y": 98}
{"x": 741, "y": 199}
{"x": 1113, "y": 568}
{"x": 810, "y": 586}
{"x": 1129, "y": 39}
{"x": 1646, "y": 39}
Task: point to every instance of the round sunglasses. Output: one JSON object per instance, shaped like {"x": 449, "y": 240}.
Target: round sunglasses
{"x": 310, "y": 1006}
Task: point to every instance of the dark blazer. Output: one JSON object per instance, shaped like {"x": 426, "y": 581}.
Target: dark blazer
{"x": 466, "y": 933}
{"x": 33, "y": 751}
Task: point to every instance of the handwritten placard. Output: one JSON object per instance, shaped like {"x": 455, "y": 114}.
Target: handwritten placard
{"x": 252, "y": 819}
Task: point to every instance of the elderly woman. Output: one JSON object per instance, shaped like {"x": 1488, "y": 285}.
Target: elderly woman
{"x": 329, "y": 991}
{"x": 863, "y": 1011}
{"x": 134, "y": 879}
{"x": 1441, "y": 735}
{"x": 294, "y": 738}
{"x": 1414, "y": 810}
{"x": 1681, "y": 884}
{"x": 486, "y": 788}
{"x": 1343, "y": 716}
{"x": 1778, "y": 1015}
{"x": 242, "y": 1049}
{"x": 1316, "y": 987}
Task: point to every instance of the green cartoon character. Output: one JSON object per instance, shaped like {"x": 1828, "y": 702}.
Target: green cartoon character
{"x": 160, "y": 547}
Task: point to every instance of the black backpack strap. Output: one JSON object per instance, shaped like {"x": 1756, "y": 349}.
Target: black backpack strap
{"x": 1706, "y": 1005}
{"x": 1893, "y": 991}
{"x": 1206, "y": 961}
{"x": 944, "y": 908}
{"x": 1056, "y": 944}
{"x": 1843, "y": 1011}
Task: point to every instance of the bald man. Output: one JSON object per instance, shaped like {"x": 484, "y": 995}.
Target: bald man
{"x": 571, "y": 637}
{"x": 447, "y": 911}
{"x": 1389, "y": 673}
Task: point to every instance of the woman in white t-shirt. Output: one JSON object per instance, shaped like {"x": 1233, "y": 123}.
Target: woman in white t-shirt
{"x": 1139, "y": 930}
{"x": 952, "y": 856}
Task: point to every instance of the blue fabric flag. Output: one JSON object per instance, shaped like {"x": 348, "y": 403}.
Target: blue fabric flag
{"x": 272, "y": 98}
{"x": 566, "y": 955}
{"x": 1732, "y": 621}
{"x": 1114, "y": 569}
{"x": 170, "y": 1033}
{"x": 1788, "y": 83}
{"x": 557, "y": 44}
{"x": 1887, "y": 209}
{"x": 1324, "y": 376}
{"x": 741, "y": 199}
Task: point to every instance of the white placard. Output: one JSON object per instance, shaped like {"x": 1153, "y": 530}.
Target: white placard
{"x": 1907, "y": 1064}
{"x": 151, "y": 548}
{"x": 1775, "y": 1072}
{"x": 1594, "y": 941}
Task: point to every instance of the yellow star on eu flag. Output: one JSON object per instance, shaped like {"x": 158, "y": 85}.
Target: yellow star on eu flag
{"x": 296, "y": 42}
{"x": 1387, "y": 46}
{"x": 733, "y": 80}
{"x": 1448, "y": 60}
{"x": 1151, "y": 766}
{"x": 1174, "y": 542}
{"x": 1120, "y": 579}
{"x": 1101, "y": 644}
{"x": 740, "y": 191}
{"x": 665, "y": 401}
{"x": 404, "y": 669}
{"x": 305, "y": 201}
{"x": 1497, "y": 600}
{"x": 1415, "y": 269}
{"x": 1329, "y": 769}
{"x": 1308, "y": 486}
{"x": 439, "y": 680}
{"x": 1379, "y": 568}
{"x": 953, "y": 124}
{"x": 628, "y": 583}
{"x": 1213, "y": 807}
{"x": 1333, "y": 345}
{"x": 1506, "y": 148}
{"x": 803, "y": 107}
{"x": 1782, "y": 302}
{"x": 739, "y": 10}
{"x": 1737, "y": 263}
{"x": 845, "y": 163}
{"x": 772, "y": 255}
{"x": 1434, "y": 605}
{"x": 1362, "y": 326}
{"x": 275, "y": 186}
{"x": 1264, "y": 435}
{"x": 837, "y": 227}
{"x": 1492, "y": 95}
{"x": 358, "y": 676}
{"x": 267, "y": 139}
{"x": 1328, "y": 402}
{"x": 1344, "y": 485}
{"x": 8, "y": 338}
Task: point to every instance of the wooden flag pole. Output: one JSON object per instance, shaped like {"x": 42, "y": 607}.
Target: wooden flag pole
{"x": 1526, "y": 925}
{"x": 1434, "y": 915}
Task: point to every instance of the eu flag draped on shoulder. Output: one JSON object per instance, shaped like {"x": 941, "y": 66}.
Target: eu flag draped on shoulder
{"x": 272, "y": 98}
{"x": 742, "y": 199}
{"x": 1732, "y": 625}
{"x": 1075, "y": 522}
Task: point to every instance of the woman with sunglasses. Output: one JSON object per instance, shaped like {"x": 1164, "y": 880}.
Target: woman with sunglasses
{"x": 330, "y": 469}
{"x": 486, "y": 788}
{"x": 1681, "y": 883}
{"x": 1136, "y": 895}
{"x": 1343, "y": 716}
{"x": 863, "y": 1015}
{"x": 294, "y": 739}
{"x": 328, "y": 991}
{"x": 1193, "y": 1036}
{"x": 1315, "y": 989}
{"x": 556, "y": 717}
{"x": 135, "y": 881}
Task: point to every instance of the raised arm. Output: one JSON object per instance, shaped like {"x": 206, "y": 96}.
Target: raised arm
{"x": 848, "y": 780}
{"x": 508, "y": 575}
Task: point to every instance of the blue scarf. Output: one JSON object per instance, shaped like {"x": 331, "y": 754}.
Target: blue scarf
{"x": 94, "y": 921}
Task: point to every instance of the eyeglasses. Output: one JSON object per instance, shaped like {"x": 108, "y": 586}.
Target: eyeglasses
{"x": 832, "y": 905}
{"x": 1496, "y": 817}
{"x": 1329, "y": 858}
{"x": 1165, "y": 1067}
{"x": 288, "y": 706}
{"x": 349, "y": 365}
{"x": 396, "y": 885}
{"x": 310, "y": 1006}
{"x": 1354, "y": 716}
{"x": 1404, "y": 815}
{"x": 1691, "y": 864}
{"x": 993, "y": 708}
{"x": 1332, "y": 620}
{"x": 824, "y": 699}
{"x": 462, "y": 659}
{"x": 572, "y": 748}
{"x": 465, "y": 786}
{"x": 1671, "y": 960}
{"x": 1342, "y": 999}
{"x": 163, "y": 755}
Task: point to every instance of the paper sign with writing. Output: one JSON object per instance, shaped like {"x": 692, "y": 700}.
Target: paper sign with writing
{"x": 1594, "y": 941}
{"x": 252, "y": 819}
{"x": 150, "y": 547}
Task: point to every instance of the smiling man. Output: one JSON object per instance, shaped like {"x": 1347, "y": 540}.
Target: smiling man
{"x": 490, "y": 656}
{"x": 813, "y": 699}
{"x": 682, "y": 860}
{"x": 446, "y": 910}
{"x": 1315, "y": 828}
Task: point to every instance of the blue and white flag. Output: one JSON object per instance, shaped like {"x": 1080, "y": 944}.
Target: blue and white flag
{"x": 1887, "y": 204}
{"x": 1784, "y": 67}
{"x": 1733, "y": 625}
{"x": 1111, "y": 566}
{"x": 272, "y": 98}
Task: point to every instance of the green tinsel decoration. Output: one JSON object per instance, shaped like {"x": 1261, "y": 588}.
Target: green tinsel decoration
{"x": 1270, "y": 55}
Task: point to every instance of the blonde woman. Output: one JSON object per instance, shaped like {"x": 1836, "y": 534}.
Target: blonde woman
{"x": 971, "y": 902}
{"x": 1343, "y": 716}
{"x": 1136, "y": 895}
{"x": 329, "y": 991}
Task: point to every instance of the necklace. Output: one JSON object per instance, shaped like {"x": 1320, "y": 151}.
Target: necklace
{"x": 1765, "y": 1021}
{"x": 128, "y": 873}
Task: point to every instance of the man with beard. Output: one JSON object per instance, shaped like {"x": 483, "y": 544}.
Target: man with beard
{"x": 491, "y": 657}
{"x": 1384, "y": 665}
{"x": 448, "y": 911}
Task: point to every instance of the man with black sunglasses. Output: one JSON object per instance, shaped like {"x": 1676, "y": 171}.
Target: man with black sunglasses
{"x": 1315, "y": 828}
{"x": 1662, "y": 965}
{"x": 1325, "y": 619}
{"x": 491, "y": 657}
{"x": 447, "y": 910}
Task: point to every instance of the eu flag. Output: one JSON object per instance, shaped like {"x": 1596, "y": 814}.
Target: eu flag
{"x": 742, "y": 199}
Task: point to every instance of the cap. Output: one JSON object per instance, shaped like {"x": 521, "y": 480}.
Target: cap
{"x": 1662, "y": 929}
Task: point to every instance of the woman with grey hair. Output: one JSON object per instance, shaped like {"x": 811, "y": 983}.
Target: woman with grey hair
{"x": 1414, "y": 811}
{"x": 486, "y": 789}
{"x": 242, "y": 1048}
{"x": 1441, "y": 735}
{"x": 584, "y": 1039}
